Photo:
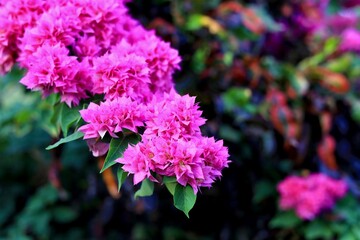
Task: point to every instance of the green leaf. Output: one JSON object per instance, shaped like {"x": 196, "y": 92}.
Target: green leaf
{"x": 340, "y": 64}
{"x": 236, "y": 97}
{"x": 229, "y": 133}
{"x": 331, "y": 45}
{"x": 63, "y": 214}
{"x": 121, "y": 176}
{"x": 317, "y": 230}
{"x": 67, "y": 117}
{"x": 194, "y": 22}
{"x": 285, "y": 219}
{"x": 199, "y": 58}
{"x": 76, "y": 135}
{"x": 169, "y": 179}
{"x": 117, "y": 148}
{"x": 263, "y": 190}
{"x": 347, "y": 236}
{"x": 299, "y": 83}
{"x": 146, "y": 189}
{"x": 170, "y": 183}
{"x": 184, "y": 198}
{"x": 228, "y": 58}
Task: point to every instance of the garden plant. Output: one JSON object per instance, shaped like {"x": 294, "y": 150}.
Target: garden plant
{"x": 179, "y": 119}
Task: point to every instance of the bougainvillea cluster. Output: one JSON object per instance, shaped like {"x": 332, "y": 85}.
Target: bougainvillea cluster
{"x": 310, "y": 195}
{"x": 172, "y": 145}
{"x": 85, "y": 48}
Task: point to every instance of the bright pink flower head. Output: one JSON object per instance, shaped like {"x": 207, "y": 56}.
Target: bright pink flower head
{"x": 215, "y": 157}
{"x": 350, "y": 40}
{"x": 310, "y": 195}
{"x": 59, "y": 25}
{"x": 119, "y": 74}
{"x": 342, "y": 20}
{"x": 15, "y": 17}
{"x": 102, "y": 19}
{"x": 86, "y": 47}
{"x": 162, "y": 60}
{"x": 136, "y": 160}
{"x": 190, "y": 161}
{"x": 174, "y": 116}
{"x": 97, "y": 147}
{"x": 111, "y": 117}
{"x": 311, "y": 204}
{"x": 51, "y": 70}
{"x": 289, "y": 189}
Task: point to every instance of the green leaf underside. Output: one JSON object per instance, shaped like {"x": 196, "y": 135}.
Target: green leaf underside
{"x": 171, "y": 187}
{"x": 184, "y": 198}
{"x": 285, "y": 219}
{"x": 121, "y": 175}
{"x": 68, "y": 116}
{"x": 76, "y": 135}
{"x": 170, "y": 183}
{"x": 117, "y": 148}
{"x": 169, "y": 179}
{"x": 146, "y": 189}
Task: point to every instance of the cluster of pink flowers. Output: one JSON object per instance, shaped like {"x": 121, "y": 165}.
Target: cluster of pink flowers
{"x": 57, "y": 41}
{"x": 172, "y": 145}
{"x": 84, "y": 48}
{"x": 111, "y": 117}
{"x": 310, "y": 195}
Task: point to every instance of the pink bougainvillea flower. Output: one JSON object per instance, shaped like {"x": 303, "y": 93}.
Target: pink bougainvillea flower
{"x": 162, "y": 60}
{"x": 350, "y": 40}
{"x": 51, "y": 70}
{"x": 15, "y": 17}
{"x": 189, "y": 161}
{"x": 136, "y": 161}
{"x": 172, "y": 145}
{"x": 102, "y": 19}
{"x": 173, "y": 116}
{"x": 111, "y": 117}
{"x": 215, "y": 157}
{"x": 310, "y": 195}
{"x": 342, "y": 20}
{"x": 58, "y": 26}
{"x": 118, "y": 74}
{"x": 97, "y": 147}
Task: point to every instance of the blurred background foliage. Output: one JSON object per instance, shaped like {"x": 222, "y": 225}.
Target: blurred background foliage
{"x": 284, "y": 101}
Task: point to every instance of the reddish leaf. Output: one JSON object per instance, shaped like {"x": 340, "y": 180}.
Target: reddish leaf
{"x": 109, "y": 179}
{"x": 280, "y": 117}
{"x": 334, "y": 82}
{"x": 252, "y": 21}
{"x": 326, "y": 151}
{"x": 325, "y": 121}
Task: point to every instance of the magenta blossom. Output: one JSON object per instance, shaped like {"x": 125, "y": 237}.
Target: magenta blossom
{"x": 59, "y": 25}
{"x": 119, "y": 74}
{"x": 310, "y": 195}
{"x": 189, "y": 161}
{"x": 15, "y": 17}
{"x": 111, "y": 117}
{"x": 350, "y": 40}
{"x": 172, "y": 145}
{"x": 51, "y": 70}
{"x": 173, "y": 116}
{"x": 162, "y": 60}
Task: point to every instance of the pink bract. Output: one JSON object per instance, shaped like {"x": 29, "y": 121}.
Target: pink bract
{"x": 51, "y": 70}
{"x": 310, "y": 195}
{"x": 111, "y": 117}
